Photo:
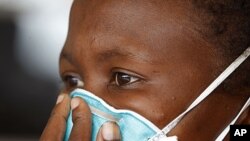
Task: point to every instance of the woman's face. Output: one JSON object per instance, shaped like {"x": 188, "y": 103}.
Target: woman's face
{"x": 145, "y": 57}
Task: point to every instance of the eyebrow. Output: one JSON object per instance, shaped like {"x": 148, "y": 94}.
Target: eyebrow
{"x": 67, "y": 56}
{"x": 103, "y": 56}
{"x": 107, "y": 55}
{"x": 112, "y": 53}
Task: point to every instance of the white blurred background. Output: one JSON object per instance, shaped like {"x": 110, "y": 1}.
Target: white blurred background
{"x": 41, "y": 31}
{"x": 32, "y": 33}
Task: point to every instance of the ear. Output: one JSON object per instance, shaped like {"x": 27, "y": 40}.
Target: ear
{"x": 244, "y": 117}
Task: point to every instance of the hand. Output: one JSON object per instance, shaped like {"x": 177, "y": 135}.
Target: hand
{"x": 81, "y": 116}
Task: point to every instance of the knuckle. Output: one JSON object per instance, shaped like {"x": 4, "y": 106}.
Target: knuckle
{"x": 58, "y": 115}
{"x": 80, "y": 117}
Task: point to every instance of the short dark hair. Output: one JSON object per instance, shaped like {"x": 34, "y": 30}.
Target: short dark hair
{"x": 226, "y": 23}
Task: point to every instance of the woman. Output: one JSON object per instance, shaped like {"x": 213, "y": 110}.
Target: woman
{"x": 154, "y": 58}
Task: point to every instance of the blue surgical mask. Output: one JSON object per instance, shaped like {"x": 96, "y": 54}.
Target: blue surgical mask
{"x": 133, "y": 126}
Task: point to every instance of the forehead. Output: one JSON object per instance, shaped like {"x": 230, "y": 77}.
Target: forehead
{"x": 151, "y": 23}
{"x": 131, "y": 17}
{"x": 112, "y": 13}
{"x": 159, "y": 30}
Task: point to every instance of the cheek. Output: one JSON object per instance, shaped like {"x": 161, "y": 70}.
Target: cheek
{"x": 171, "y": 94}
{"x": 159, "y": 109}
{"x": 157, "y": 113}
{"x": 150, "y": 104}
{"x": 146, "y": 103}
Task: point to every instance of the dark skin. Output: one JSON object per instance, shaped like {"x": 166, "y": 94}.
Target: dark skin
{"x": 166, "y": 62}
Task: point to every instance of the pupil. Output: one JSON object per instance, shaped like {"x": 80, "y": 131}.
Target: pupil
{"x": 122, "y": 78}
{"x": 72, "y": 81}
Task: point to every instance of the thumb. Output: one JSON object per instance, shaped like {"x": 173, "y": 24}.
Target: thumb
{"x": 109, "y": 132}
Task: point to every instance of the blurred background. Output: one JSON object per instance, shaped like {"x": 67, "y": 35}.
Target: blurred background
{"x": 32, "y": 33}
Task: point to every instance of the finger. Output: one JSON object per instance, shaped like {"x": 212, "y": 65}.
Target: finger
{"x": 81, "y": 117}
{"x": 109, "y": 132}
{"x": 57, "y": 120}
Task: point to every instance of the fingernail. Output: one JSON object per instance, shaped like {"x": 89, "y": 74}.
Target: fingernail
{"x": 74, "y": 103}
{"x": 110, "y": 131}
{"x": 60, "y": 99}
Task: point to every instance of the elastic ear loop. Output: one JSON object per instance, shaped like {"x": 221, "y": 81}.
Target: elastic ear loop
{"x": 206, "y": 92}
{"x": 226, "y": 130}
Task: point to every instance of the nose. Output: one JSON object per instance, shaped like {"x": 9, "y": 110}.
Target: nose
{"x": 91, "y": 88}
{"x": 95, "y": 85}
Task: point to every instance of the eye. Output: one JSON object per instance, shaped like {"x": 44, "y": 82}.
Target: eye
{"x": 122, "y": 79}
{"x": 72, "y": 81}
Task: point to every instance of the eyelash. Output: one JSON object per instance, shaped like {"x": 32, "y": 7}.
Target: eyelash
{"x": 72, "y": 80}
{"x": 128, "y": 79}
